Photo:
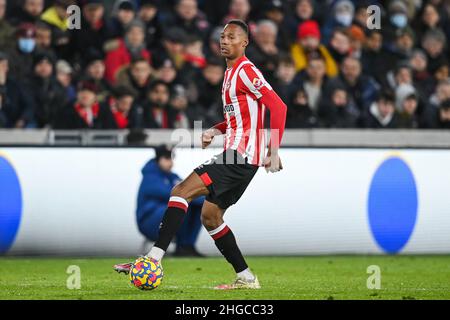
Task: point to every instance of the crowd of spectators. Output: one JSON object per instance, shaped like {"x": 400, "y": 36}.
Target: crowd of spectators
{"x": 157, "y": 64}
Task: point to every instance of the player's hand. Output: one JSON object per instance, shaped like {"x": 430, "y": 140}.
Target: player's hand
{"x": 272, "y": 163}
{"x": 207, "y": 138}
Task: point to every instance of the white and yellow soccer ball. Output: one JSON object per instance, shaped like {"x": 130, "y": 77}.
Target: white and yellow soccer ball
{"x": 146, "y": 274}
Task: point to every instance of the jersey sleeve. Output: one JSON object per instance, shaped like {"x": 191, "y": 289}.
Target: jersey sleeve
{"x": 257, "y": 87}
{"x": 253, "y": 82}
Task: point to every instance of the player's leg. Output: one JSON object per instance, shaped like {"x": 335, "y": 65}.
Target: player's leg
{"x": 187, "y": 235}
{"x": 182, "y": 194}
{"x": 212, "y": 219}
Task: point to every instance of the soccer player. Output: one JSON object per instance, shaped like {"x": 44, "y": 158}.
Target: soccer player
{"x": 223, "y": 179}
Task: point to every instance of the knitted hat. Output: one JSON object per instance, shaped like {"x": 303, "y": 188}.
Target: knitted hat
{"x": 308, "y": 28}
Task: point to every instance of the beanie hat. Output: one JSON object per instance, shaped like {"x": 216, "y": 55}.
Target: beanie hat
{"x": 308, "y": 28}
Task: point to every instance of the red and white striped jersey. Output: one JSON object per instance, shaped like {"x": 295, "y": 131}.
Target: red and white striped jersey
{"x": 244, "y": 113}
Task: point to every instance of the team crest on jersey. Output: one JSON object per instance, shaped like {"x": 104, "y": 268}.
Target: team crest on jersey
{"x": 258, "y": 83}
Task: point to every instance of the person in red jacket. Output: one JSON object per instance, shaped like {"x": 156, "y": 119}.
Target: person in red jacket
{"x": 122, "y": 51}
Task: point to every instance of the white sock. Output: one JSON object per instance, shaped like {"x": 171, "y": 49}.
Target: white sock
{"x": 246, "y": 274}
{"x": 156, "y": 253}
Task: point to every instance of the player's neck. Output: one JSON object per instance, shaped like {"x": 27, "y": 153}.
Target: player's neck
{"x": 232, "y": 62}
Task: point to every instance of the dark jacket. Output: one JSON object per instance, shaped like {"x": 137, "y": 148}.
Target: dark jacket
{"x": 69, "y": 119}
{"x": 15, "y": 104}
{"x": 49, "y": 97}
{"x": 108, "y": 121}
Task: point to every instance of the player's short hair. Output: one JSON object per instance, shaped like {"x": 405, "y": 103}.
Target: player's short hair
{"x": 241, "y": 24}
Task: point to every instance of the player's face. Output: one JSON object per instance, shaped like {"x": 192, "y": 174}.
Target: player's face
{"x": 233, "y": 41}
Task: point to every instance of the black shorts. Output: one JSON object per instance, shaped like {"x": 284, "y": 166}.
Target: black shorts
{"x": 226, "y": 176}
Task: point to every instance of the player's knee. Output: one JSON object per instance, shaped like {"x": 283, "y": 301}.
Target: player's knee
{"x": 211, "y": 221}
{"x": 180, "y": 191}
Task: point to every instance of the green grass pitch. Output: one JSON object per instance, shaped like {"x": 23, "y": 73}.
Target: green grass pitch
{"x": 313, "y": 277}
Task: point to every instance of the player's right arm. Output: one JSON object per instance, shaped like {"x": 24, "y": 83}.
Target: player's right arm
{"x": 208, "y": 135}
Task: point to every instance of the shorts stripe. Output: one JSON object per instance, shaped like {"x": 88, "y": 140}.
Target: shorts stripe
{"x": 206, "y": 179}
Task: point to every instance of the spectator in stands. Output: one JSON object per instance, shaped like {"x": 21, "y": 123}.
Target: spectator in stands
{"x": 263, "y": 51}
{"x": 443, "y": 116}
{"x": 119, "y": 111}
{"x": 341, "y": 17}
{"x": 167, "y": 73}
{"x": 172, "y": 48}
{"x": 300, "y": 115}
{"x": 6, "y": 30}
{"x": 397, "y": 20}
{"x": 313, "y": 80}
{"x": 95, "y": 71}
{"x": 371, "y": 56}
{"x": 182, "y": 114}
{"x": 209, "y": 86}
{"x": 357, "y": 40}
{"x": 284, "y": 84}
{"x": 308, "y": 44}
{"x": 407, "y": 102}
{"x": 95, "y": 31}
{"x": 395, "y": 54}
{"x": 122, "y": 51}
{"x": 441, "y": 94}
{"x": 44, "y": 37}
{"x": 303, "y": 11}
{"x": 29, "y": 11}
{"x": 428, "y": 19}
{"x": 421, "y": 77}
{"x": 433, "y": 42}
{"x": 124, "y": 13}
{"x": 381, "y": 113}
{"x": 150, "y": 15}
{"x": 56, "y": 17}
{"x": 47, "y": 93}
{"x": 136, "y": 78}
{"x": 156, "y": 107}
{"x": 188, "y": 17}
{"x": 213, "y": 44}
{"x": 84, "y": 112}
{"x": 16, "y": 108}
{"x": 361, "y": 89}
{"x": 274, "y": 11}
{"x": 336, "y": 112}
{"x": 339, "y": 46}
{"x": 64, "y": 75}
{"x": 240, "y": 9}
{"x": 21, "y": 55}
{"x": 154, "y": 192}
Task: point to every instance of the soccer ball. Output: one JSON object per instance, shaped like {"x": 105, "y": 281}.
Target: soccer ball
{"x": 146, "y": 274}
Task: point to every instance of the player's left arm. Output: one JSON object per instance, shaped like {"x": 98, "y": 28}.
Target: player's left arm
{"x": 256, "y": 86}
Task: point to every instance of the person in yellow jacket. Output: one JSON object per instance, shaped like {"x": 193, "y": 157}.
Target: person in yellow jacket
{"x": 56, "y": 17}
{"x": 308, "y": 43}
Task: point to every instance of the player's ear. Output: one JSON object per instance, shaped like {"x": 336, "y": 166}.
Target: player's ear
{"x": 245, "y": 43}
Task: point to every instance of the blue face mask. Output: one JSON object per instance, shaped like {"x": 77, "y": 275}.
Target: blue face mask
{"x": 399, "y": 20}
{"x": 344, "y": 18}
{"x": 27, "y": 45}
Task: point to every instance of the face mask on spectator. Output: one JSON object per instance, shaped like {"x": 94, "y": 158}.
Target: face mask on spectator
{"x": 399, "y": 20}
{"x": 344, "y": 18}
{"x": 27, "y": 45}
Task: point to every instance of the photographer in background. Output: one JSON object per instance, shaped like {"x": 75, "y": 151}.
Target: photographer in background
{"x": 154, "y": 193}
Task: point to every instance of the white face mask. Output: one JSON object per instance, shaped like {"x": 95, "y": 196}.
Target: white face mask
{"x": 344, "y": 18}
